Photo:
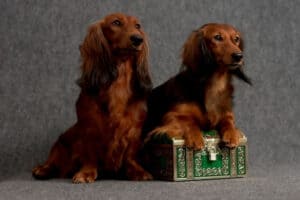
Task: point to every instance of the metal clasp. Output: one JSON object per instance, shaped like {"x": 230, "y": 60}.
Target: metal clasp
{"x": 212, "y": 153}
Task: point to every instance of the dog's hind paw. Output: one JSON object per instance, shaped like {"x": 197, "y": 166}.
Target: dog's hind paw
{"x": 135, "y": 172}
{"x": 43, "y": 172}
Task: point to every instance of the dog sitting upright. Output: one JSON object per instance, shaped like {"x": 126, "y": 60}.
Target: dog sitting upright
{"x": 200, "y": 96}
{"x": 111, "y": 107}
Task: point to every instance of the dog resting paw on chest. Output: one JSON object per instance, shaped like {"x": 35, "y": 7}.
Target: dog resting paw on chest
{"x": 200, "y": 96}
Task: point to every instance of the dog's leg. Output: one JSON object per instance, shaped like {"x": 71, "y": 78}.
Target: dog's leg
{"x": 193, "y": 136}
{"x": 182, "y": 122}
{"x": 124, "y": 155}
{"x": 50, "y": 168}
{"x": 133, "y": 170}
{"x": 115, "y": 154}
{"x": 59, "y": 162}
{"x": 230, "y": 135}
{"x": 187, "y": 130}
{"x": 125, "y": 145}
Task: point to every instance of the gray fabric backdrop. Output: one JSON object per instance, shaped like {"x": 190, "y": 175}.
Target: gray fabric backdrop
{"x": 40, "y": 62}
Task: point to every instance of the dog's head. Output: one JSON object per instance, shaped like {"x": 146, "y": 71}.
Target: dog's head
{"x": 112, "y": 40}
{"x": 215, "y": 47}
{"x": 123, "y": 33}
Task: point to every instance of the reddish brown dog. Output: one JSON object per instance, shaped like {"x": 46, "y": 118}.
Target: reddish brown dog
{"x": 200, "y": 96}
{"x": 111, "y": 107}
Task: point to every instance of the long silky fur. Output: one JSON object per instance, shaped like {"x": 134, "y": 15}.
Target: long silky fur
{"x": 98, "y": 68}
{"x": 142, "y": 83}
{"x": 239, "y": 73}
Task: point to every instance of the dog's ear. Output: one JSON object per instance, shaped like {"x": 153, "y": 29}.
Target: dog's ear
{"x": 239, "y": 73}
{"x": 98, "y": 69}
{"x": 196, "y": 55}
{"x": 191, "y": 51}
{"x": 142, "y": 81}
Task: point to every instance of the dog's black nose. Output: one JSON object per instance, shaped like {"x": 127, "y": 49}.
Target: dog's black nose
{"x": 237, "y": 57}
{"x": 136, "y": 40}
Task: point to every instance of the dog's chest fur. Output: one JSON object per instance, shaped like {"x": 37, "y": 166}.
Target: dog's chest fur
{"x": 217, "y": 97}
{"x": 120, "y": 91}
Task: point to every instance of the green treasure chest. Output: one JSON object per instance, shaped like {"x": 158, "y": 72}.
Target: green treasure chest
{"x": 169, "y": 159}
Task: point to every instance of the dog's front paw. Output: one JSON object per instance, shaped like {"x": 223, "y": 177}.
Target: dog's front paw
{"x": 231, "y": 137}
{"x": 194, "y": 140}
{"x": 193, "y": 137}
{"x": 85, "y": 176}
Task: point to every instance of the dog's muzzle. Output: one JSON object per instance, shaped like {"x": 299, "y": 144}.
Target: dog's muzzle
{"x": 237, "y": 61}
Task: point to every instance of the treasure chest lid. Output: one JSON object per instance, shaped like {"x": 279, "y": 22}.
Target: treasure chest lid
{"x": 210, "y": 137}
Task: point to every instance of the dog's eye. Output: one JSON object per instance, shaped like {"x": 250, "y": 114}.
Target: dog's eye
{"x": 237, "y": 39}
{"x": 117, "y": 22}
{"x": 138, "y": 26}
{"x": 218, "y": 37}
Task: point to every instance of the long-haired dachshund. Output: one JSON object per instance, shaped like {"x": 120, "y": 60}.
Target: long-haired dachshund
{"x": 200, "y": 96}
{"x": 111, "y": 107}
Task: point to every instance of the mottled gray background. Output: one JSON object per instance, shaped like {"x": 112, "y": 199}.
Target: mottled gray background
{"x": 40, "y": 62}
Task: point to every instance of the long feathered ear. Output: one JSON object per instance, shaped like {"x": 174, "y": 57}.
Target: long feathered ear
{"x": 98, "y": 69}
{"x": 196, "y": 55}
{"x": 142, "y": 82}
{"x": 191, "y": 51}
{"x": 239, "y": 73}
